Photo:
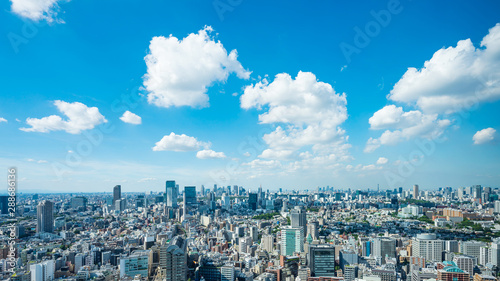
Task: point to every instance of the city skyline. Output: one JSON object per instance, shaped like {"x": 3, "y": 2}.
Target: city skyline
{"x": 338, "y": 94}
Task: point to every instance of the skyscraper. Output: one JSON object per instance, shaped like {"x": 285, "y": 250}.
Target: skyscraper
{"x": 321, "y": 260}
{"x": 173, "y": 261}
{"x": 4, "y": 204}
{"x": 252, "y": 201}
{"x": 45, "y": 217}
{"x": 298, "y": 218}
{"x": 190, "y": 193}
{"x": 416, "y": 194}
{"x": 117, "y": 193}
{"x": 171, "y": 194}
{"x": 292, "y": 240}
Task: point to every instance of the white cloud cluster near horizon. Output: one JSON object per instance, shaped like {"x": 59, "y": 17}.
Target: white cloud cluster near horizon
{"x": 184, "y": 143}
{"x": 400, "y": 126}
{"x": 180, "y": 71}
{"x": 131, "y": 118}
{"x": 79, "y": 118}
{"x": 454, "y": 78}
{"x": 484, "y": 136}
{"x": 3, "y": 120}
{"x": 308, "y": 114}
{"x": 37, "y": 10}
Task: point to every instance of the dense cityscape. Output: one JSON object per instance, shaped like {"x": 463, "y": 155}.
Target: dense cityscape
{"x": 232, "y": 140}
{"x": 230, "y": 233}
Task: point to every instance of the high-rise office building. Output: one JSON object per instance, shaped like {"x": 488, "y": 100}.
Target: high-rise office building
{"x": 321, "y": 260}
{"x": 190, "y": 193}
{"x": 292, "y": 240}
{"x": 416, "y": 193}
{"x": 298, "y": 218}
{"x": 384, "y": 247}
{"x": 171, "y": 194}
{"x": 117, "y": 193}
{"x": 173, "y": 262}
{"x": 4, "y": 204}
{"x": 427, "y": 246}
{"x": 45, "y": 217}
{"x": 252, "y": 201}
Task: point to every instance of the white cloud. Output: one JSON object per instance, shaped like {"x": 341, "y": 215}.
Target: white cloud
{"x": 180, "y": 71}
{"x": 79, "y": 118}
{"x": 382, "y": 161}
{"x": 209, "y": 154}
{"x": 3, "y": 120}
{"x": 276, "y": 154}
{"x": 309, "y": 113}
{"x": 131, "y": 118}
{"x": 36, "y": 10}
{"x": 454, "y": 78}
{"x": 484, "y": 136}
{"x": 403, "y": 126}
{"x": 174, "y": 142}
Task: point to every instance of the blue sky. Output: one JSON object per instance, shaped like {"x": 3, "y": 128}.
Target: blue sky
{"x": 415, "y": 103}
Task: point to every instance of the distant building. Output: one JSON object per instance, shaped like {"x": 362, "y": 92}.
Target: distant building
{"x": 252, "y": 201}
{"x": 117, "y": 193}
{"x": 416, "y": 193}
{"x": 321, "y": 260}
{"x": 135, "y": 264}
{"x": 427, "y": 246}
{"x": 292, "y": 240}
{"x": 452, "y": 273}
{"x": 79, "y": 201}
{"x": 190, "y": 193}
{"x": 298, "y": 218}
{"x": 384, "y": 247}
{"x": 171, "y": 194}
{"x": 45, "y": 217}
{"x": 43, "y": 271}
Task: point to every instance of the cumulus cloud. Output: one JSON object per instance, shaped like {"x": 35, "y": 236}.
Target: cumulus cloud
{"x": 484, "y": 136}
{"x": 180, "y": 71}
{"x": 174, "y": 142}
{"x": 382, "y": 161}
{"x": 3, "y": 120}
{"x": 454, "y": 78}
{"x": 131, "y": 118}
{"x": 401, "y": 126}
{"x": 36, "y": 10}
{"x": 308, "y": 113}
{"x": 79, "y": 118}
{"x": 209, "y": 154}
